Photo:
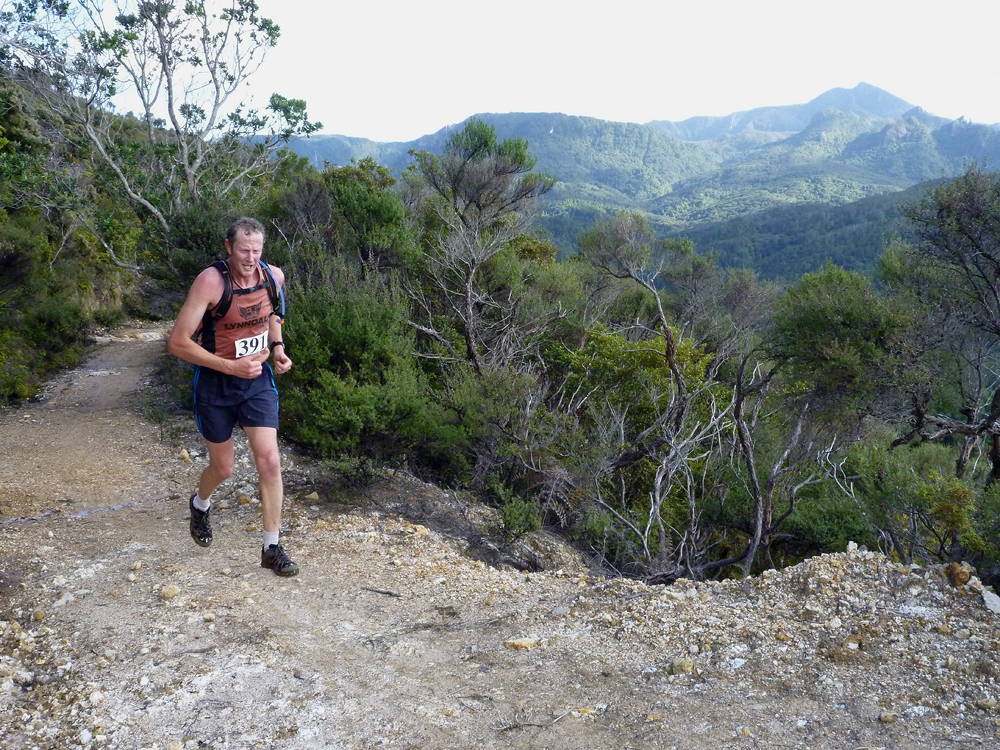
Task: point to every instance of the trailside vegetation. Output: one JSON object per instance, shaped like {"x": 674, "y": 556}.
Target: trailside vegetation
{"x": 105, "y": 214}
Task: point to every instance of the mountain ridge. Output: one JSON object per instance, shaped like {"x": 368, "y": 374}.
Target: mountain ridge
{"x": 864, "y": 99}
{"x": 842, "y": 146}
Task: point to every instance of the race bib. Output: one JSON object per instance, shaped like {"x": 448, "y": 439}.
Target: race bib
{"x": 252, "y": 345}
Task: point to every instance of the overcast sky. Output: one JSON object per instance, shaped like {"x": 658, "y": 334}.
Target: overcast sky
{"x": 393, "y": 70}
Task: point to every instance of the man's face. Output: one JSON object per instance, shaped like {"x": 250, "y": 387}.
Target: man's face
{"x": 244, "y": 252}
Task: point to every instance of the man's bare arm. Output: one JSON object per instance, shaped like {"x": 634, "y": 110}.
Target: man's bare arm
{"x": 282, "y": 362}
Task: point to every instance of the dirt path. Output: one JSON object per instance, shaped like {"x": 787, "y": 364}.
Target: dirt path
{"x": 117, "y": 631}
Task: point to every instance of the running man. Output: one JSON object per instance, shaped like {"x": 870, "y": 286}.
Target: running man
{"x": 228, "y": 327}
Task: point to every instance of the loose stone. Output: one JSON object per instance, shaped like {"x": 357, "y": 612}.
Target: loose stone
{"x": 169, "y": 591}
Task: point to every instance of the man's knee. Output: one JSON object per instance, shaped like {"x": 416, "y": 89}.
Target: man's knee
{"x": 268, "y": 464}
{"x": 221, "y": 466}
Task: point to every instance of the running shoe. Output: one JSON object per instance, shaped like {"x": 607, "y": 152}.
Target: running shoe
{"x": 275, "y": 558}
{"x": 201, "y": 527}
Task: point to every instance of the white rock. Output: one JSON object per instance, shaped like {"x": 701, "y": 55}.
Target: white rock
{"x": 992, "y": 601}
{"x": 63, "y": 600}
{"x": 23, "y": 677}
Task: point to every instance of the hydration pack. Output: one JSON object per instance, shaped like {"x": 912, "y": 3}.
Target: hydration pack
{"x": 275, "y": 292}
{"x": 206, "y": 332}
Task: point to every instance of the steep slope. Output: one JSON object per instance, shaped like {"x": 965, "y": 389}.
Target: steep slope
{"x": 612, "y": 162}
{"x": 784, "y": 242}
{"x": 807, "y": 167}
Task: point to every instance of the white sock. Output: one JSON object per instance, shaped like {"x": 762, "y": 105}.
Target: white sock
{"x": 202, "y": 504}
{"x": 270, "y": 537}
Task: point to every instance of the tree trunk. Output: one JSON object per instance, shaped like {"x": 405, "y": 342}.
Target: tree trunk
{"x": 994, "y": 444}
{"x": 994, "y": 460}
{"x": 964, "y": 455}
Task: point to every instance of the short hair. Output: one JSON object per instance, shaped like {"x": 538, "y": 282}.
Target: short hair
{"x": 246, "y": 225}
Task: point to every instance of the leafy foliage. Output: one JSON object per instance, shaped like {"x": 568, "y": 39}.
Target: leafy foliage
{"x": 190, "y": 144}
{"x": 41, "y": 315}
{"x": 355, "y": 388}
{"x": 841, "y": 340}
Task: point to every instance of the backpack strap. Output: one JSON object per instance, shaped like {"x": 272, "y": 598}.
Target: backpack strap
{"x": 227, "y": 295}
{"x": 275, "y": 292}
{"x": 206, "y": 332}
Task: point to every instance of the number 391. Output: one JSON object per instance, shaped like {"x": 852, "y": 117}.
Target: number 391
{"x": 252, "y": 345}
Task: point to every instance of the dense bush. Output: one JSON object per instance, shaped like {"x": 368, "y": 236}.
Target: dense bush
{"x": 42, "y": 319}
{"x": 355, "y": 388}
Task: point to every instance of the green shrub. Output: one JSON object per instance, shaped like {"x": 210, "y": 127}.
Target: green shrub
{"x": 16, "y": 379}
{"x": 825, "y": 521}
{"x": 355, "y": 387}
{"x": 109, "y": 317}
{"x": 54, "y": 328}
{"x": 520, "y": 517}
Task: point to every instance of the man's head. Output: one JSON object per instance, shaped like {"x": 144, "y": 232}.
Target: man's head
{"x": 244, "y": 225}
{"x": 244, "y": 245}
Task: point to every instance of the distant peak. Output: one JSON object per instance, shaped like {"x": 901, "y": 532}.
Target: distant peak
{"x": 865, "y": 100}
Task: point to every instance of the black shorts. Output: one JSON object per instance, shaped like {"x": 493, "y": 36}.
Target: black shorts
{"x": 222, "y": 401}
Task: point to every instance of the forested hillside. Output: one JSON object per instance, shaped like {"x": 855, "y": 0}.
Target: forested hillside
{"x": 671, "y": 414}
{"x": 786, "y": 242}
{"x": 707, "y": 175}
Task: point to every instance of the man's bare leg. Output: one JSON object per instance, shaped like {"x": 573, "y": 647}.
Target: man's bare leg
{"x": 219, "y": 469}
{"x": 264, "y": 444}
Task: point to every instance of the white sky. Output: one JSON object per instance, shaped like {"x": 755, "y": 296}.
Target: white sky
{"x": 394, "y": 70}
